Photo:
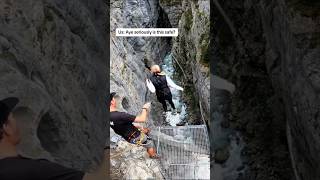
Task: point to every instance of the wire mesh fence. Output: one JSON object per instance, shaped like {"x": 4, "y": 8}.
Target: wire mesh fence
{"x": 184, "y": 151}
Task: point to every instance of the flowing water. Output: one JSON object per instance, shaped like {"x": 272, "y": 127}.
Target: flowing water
{"x": 172, "y": 119}
{"x": 234, "y": 166}
{"x": 202, "y": 161}
{"x": 227, "y": 140}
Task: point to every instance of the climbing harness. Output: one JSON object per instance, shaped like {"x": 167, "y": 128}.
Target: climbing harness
{"x": 139, "y": 141}
{"x": 132, "y": 136}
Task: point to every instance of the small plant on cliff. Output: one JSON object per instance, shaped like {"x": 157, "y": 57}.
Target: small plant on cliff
{"x": 7, "y": 55}
{"x": 196, "y": 3}
{"x": 307, "y": 8}
{"x": 170, "y": 2}
{"x": 188, "y": 20}
{"x": 205, "y": 58}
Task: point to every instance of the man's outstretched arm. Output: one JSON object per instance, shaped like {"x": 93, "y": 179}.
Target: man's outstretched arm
{"x": 142, "y": 129}
{"x": 144, "y": 114}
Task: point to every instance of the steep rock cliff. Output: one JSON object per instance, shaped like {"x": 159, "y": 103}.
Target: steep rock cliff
{"x": 129, "y": 55}
{"x": 292, "y": 59}
{"x": 270, "y": 51}
{"x": 173, "y": 9}
{"x": 52, "y": 57}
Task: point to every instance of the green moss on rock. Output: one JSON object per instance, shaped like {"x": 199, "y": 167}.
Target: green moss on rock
{"x": 170, "y": 2}
{"x": 188, "y": 20}
{"x": 7, "y": 55}
{"x": 307, "y": 8}
{"x": 205, "y": 58}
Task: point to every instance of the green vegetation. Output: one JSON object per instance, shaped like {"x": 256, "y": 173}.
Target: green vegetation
{"x": 7, "y": 55}
{"x": 315, "y": 40}
{"x": 204, "y": 37}
{"x": 203, "y": 16}
{"x": 196, "y": 3}
{"x": 307, "y": 8}
{"x": 48, "y": 14}
{"x": 170, "y": 2}
{"x": 193, "y": 54}
{"x": 205, "y": 57}
{"x": 47, "y": 24}
{"x": 204, "y": 47}
{"x": 200, "y": 14}
{"x": 188, "y": 20}
{"x": 123, "y": 70}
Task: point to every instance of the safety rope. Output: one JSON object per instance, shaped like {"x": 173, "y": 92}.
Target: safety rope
{"x": 140, "y": 139}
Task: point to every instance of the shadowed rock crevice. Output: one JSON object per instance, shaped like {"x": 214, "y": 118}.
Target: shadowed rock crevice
{"x": 125, "y": 103}
{"x": 48, "y": 134}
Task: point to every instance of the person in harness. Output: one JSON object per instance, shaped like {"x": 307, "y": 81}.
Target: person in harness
{"x": 122, "y": 124}
{"x": 160, "y": 84}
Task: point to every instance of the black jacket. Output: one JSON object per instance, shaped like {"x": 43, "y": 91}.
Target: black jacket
{"x": 160, "y": 83}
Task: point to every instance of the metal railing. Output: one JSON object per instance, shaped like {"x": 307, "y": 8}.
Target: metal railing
{"x": 182, "y": 150}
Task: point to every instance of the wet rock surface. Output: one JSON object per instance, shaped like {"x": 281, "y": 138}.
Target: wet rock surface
{"x": 221, "y": 155}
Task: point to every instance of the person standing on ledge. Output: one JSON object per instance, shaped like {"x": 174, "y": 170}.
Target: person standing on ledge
{"x": 160, "y": 84}
{"x": 121, "y": 123}
{"x": 15, "y": 167}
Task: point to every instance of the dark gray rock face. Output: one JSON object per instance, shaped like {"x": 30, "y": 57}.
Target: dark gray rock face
{"x": 174, "y": 11}
{"x": 190, "y": 51}
{"x": 52, "y": 56}
{"x": 293, "y": 62}
{"x": 273, "y": 59}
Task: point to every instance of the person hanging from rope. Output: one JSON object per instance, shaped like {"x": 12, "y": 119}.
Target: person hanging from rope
{"x": 160, "y": 83}
{"x": 122, "y": 124}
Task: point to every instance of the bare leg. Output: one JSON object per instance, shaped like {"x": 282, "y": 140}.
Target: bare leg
{"x": 151, "y": 152}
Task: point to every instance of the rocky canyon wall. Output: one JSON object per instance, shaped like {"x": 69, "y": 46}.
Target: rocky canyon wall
{"x": 270, "y": 51}
{"x": 130, "y": 55}
{"x": 128, "y": 59}
{"x": 190, "y": 53}
{"x": 52, "y": 57}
